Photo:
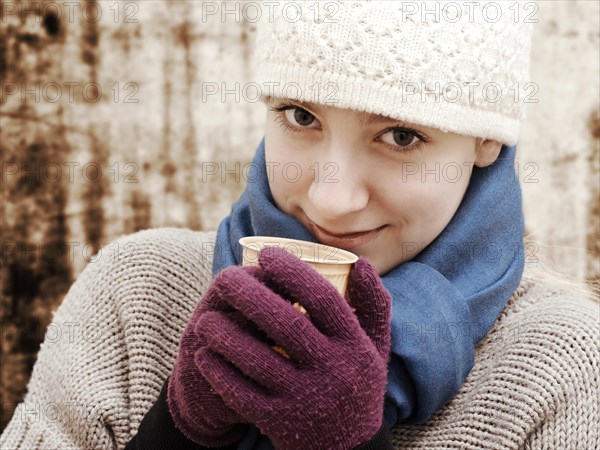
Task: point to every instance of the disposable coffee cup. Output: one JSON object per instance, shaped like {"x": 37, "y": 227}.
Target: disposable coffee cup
{"x": 332, "y": 263}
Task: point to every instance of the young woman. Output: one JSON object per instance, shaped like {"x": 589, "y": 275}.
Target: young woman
{"x": 385, "y": 136}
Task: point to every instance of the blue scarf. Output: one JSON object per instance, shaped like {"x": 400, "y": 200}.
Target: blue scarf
{"x": 444, "y": 300}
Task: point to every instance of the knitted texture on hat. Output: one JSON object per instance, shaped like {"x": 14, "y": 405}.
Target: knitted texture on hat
{"x": 456, "y": 66}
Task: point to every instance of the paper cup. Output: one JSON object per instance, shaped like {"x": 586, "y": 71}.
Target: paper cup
{"x": 332, "y": 263}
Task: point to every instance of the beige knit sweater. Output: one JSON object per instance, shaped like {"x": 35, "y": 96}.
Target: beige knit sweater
{"x": 114, "y": 339}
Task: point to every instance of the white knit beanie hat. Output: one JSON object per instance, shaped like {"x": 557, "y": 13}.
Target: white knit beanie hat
{"x": 456, "y": 66}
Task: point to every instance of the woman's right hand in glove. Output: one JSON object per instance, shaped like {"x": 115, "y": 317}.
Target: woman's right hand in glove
{"x": 196, "y": 408}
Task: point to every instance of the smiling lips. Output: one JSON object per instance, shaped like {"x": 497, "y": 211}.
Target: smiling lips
{"x": 349, "y": 241}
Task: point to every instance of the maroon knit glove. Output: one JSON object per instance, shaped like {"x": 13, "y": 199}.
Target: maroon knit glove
{"x": 329, "y": 394}
{"x": 197, "y": 410}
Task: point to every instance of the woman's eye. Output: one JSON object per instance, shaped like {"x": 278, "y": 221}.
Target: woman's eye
{"x": 399, "y": 137}
{"x": 300, "y": 117}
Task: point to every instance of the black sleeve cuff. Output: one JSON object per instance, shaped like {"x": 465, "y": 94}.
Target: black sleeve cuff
{"x": 381, "y": 441}
{"x": 158, "y": 431}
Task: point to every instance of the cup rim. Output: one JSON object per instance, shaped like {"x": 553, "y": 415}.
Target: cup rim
{"x": 346, "y": 256}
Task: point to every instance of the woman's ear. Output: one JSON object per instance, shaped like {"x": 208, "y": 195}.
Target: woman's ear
{"x": 487, "y": 152}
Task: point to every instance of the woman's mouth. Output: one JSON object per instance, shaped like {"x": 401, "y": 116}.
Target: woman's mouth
{"x": 346, "y": 241}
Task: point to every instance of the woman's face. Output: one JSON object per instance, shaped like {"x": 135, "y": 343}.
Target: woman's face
{"x": 362, "y": 182}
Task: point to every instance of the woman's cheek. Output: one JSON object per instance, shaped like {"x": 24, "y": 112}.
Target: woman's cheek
{"x": 444, "y": 199}
{"x": 289, "y": 181}
{"x": 429, "y": 202}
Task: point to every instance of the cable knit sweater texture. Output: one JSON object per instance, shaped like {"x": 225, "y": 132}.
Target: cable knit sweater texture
{"x": 114, "y": 340}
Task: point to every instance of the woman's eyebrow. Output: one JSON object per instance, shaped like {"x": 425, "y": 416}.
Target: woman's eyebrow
{"x": 364, "y": 117}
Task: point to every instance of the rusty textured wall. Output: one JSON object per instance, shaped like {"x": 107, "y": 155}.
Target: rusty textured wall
{"x": 107, "y": 128}
{"x": 561, "y": 138}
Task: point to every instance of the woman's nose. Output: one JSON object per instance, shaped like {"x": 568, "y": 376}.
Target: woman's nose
{"x": 338, "y": 189}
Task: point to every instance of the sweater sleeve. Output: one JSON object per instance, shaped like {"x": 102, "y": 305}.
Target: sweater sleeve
{"x": 112, "y": 342}
{"x": 567, "y": 332}
{"x": 535, "y": 384}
